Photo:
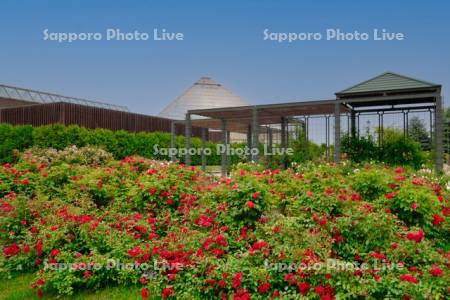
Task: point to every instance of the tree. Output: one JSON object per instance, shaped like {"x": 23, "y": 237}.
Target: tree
{"x": 418, "y": 132}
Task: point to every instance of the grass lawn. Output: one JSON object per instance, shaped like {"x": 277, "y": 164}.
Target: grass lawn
{"x": 18, "y": 288}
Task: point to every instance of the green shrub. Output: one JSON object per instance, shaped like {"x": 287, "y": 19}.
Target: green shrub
{"x": 396, "y": 149}
{"x": 400, "y": 150}
{"x": 14, "y": 138}
{"x": 359, "y": 149}
{"x": 370, "y": 183}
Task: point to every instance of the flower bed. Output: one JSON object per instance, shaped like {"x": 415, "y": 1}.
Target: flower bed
{"x": 81, "y": 220}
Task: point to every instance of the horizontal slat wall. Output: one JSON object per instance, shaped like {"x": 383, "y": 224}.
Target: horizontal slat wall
{"x": 91, "y": 117}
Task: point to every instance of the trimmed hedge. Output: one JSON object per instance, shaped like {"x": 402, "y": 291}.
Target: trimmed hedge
{"x": 120, "y": 143}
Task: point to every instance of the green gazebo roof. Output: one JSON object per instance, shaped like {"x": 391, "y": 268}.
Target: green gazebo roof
{"x": 387, "y": 81}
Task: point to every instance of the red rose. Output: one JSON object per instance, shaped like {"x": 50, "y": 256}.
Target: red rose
{"x": 11, "y": 250}
{"x": 399, "y": 170}
{"x": 319, "y": 290}
{"x": 26, "y": 248}
{"x": 255, "y": 195}
{"x": 263, "y": 288}
{"x": 408, "y": 278}
{"x": 143, "y": 280}
{"x": 54, "y": 252}
{"x": 39, "y": 247}
{"x": 144, "y": 293}
{"x": 135, "y": 251}
{"x": 167, "y": 292}
{"x": 436, "y": 271}
{"x": 26, "y": 181}
{"x": 437, "y": 219}
{"x": 416, "y": 236}
{"x": 250, "y": 204}
{"x": 303, "y": 287}
{"x": 237, "y": 280}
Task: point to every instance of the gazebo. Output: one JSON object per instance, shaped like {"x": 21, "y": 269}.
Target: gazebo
{"x": 388, "y": 92}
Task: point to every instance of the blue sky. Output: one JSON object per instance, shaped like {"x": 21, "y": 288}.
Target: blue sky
{"x": 224, "y": 40}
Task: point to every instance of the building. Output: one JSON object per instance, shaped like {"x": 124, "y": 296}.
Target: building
{"x": 25, "y": 106}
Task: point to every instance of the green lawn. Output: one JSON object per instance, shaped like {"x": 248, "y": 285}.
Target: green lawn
{"x": 18, "y": 288}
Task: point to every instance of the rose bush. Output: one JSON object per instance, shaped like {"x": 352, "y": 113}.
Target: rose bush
{"x": 81, "y": 220}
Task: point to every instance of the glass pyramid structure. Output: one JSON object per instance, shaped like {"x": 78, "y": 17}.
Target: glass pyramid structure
{"x": 203, "y": 94}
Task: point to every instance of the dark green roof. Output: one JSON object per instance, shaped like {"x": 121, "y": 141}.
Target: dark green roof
{"x": 388, "y": 81}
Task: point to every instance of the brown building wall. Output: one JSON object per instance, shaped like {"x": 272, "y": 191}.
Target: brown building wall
{"x": 91, "y": 117}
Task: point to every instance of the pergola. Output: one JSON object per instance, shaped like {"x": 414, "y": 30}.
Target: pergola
{"x": 386, "y": 92}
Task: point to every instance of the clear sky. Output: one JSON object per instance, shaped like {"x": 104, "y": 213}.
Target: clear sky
{"x": 222, "y": 39}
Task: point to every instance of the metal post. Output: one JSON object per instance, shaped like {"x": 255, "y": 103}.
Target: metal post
{"x": 327, "y": 137}
{"x": 382, "y": 128}
{"x": 269, "y": 142}
{"x": 353, "y": 124}
{"x": 173, "y": 139}
{"x": 407, "y": 123}
{"x": 249, "y": 142}
{"x": 283, "y": 142}
{"x": 187, "y": 139}
{"x": 357, "y": 119}
{"x": 431, "y": 127}
{"x": 255, "y": 132}
{"x": 404, "y": 123}
{"x": 337, "y": 132}
{"x": 306, "y": 128}
{"x": 225, "y": 152}
{"x": 204, "y": 132}
{"x": 287, "y": 131}
{"x": 438, "y": 136}
{"x": 228, "y": 146}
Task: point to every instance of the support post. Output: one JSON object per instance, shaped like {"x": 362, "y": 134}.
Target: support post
{"x": 382, "y": 128}
{"x": 255, "y": 133}
{"x": 327, "y": 137}
{"x": 225, "y": 152}
{"x": 173, "y": 139}
{"x": 187, "y": 140}
{"x": 306, "y": 128}
{"x": 353, "y": 124}
{"x": 404, "y": 123}
{"x": 438, "y": 135}
{"x": 249, "y": 142}
{"x": 283, "y": 142}
{"x": 357, "y": 122}
{"x": 204, "y": 133}
{"x": 269, "y": 142}
{"x": 337, "y": 131}
{"x": 407, "y": 123}
{"x": 379, "y": 130}
{"x": 431, "y": 128}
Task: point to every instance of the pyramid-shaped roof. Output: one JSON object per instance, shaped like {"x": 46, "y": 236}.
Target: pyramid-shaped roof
{"x": 388, "y": 81}
{"x": 203, "y": 94}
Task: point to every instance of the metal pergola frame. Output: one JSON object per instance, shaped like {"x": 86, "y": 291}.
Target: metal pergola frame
{"x": 249, "y": 119}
